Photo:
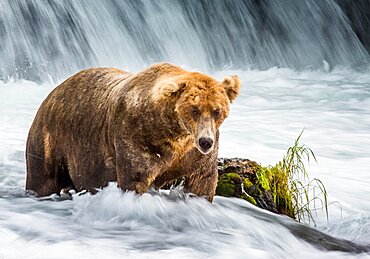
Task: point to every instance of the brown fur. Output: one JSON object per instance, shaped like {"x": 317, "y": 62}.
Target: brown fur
{"x": 141, "y": 129}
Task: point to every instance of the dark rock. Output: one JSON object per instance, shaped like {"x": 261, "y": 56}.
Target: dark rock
{"x": 237, "y": 178}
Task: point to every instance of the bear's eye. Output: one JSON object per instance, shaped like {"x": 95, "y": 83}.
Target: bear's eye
{"x": 216, "y": 113}
{"x": 195, "y": 112}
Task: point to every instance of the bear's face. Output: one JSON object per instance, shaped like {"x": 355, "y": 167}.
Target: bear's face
{"x": 203, "y": 106}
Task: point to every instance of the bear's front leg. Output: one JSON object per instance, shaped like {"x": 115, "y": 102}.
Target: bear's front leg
{"x": 203, "y": 185}
{"x": 137, "y": 169}
{"x": 200, "y": 171}
{"x": 202, "y": 180}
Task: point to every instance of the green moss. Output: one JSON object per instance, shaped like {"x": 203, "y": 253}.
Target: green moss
{"x": 247, "y": 183}
{"x": 231, "y": 176}
{"x": 249, "y": 198}
{"x": 225, "y": 188}
{"x": 227, "y": 184}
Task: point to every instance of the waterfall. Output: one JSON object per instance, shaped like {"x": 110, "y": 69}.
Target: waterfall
{"x": 42, "y": 40}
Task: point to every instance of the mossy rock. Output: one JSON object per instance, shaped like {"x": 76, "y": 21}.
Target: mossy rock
{"x": 235, "y": 172}
{"x": 229, "y": 185}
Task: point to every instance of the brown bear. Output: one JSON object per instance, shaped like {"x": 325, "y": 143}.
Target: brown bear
{"x": 141, "y": 130}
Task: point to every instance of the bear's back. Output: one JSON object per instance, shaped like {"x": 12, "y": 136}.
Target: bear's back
{"x": 80, "y": 100}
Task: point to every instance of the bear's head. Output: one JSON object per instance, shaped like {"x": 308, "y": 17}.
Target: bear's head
{"x": 202, "y": 104}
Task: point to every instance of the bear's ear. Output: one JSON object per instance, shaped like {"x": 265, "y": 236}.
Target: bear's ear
{"x": 167, "y": 89}
{"x": 232, "y": 86}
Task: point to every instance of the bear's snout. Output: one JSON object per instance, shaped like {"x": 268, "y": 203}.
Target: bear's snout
{"x": 205, "y": 144}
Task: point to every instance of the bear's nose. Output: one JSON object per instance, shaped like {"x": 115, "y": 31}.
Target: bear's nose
{"x": 205, "y": 143}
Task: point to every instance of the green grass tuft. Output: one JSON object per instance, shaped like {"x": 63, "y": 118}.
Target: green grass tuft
{"x": 293, "y": 191}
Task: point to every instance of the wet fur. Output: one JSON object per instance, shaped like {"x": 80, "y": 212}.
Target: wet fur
{"x": 104, "y": 124}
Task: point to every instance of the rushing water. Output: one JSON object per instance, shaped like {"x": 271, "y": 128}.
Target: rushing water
{"x": 42, "y": 39}
{"x": 324, "y": 89}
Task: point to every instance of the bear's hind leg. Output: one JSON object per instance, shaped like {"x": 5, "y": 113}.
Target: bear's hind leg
{"x": 46, "y": 170}
{"x": 47, "y": 178}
